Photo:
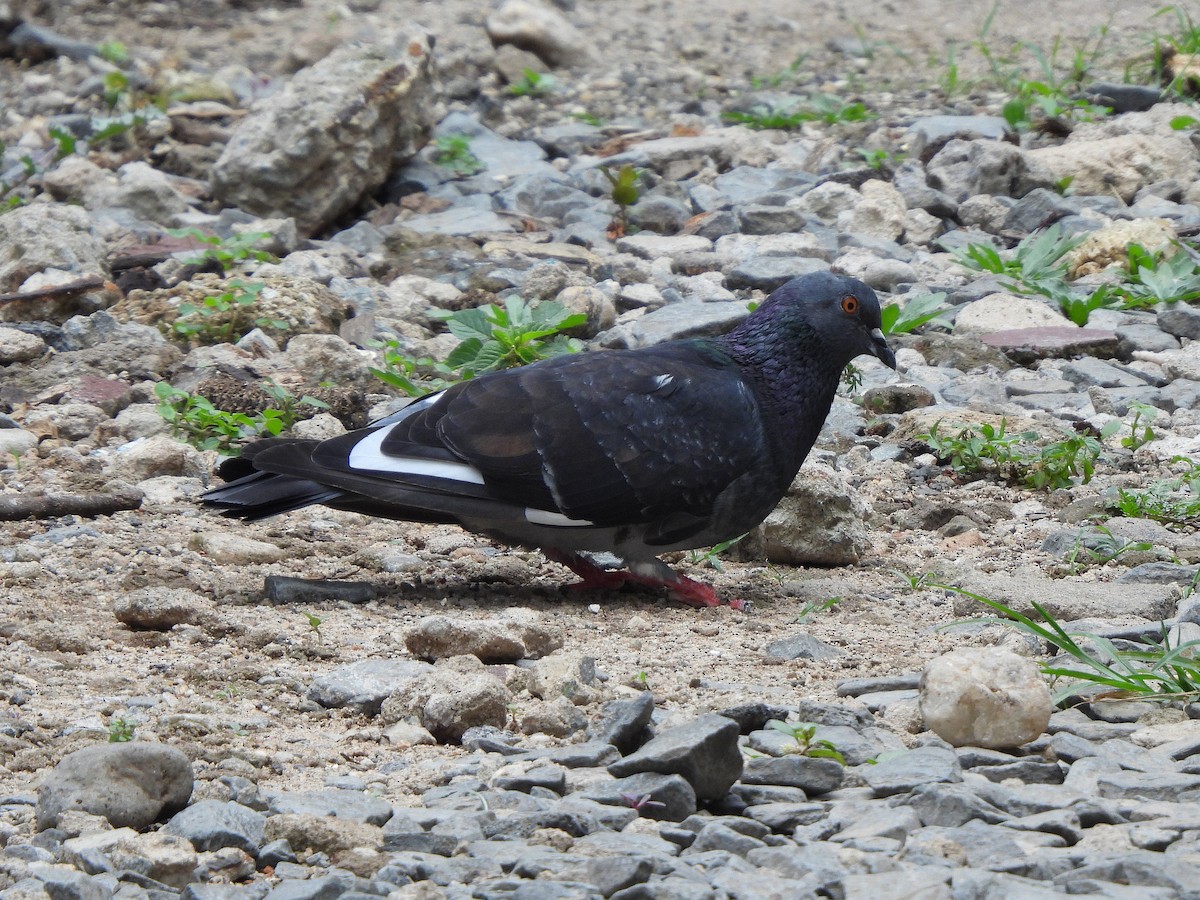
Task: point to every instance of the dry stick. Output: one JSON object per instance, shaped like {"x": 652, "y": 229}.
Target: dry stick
{"x": 49, "y": 506}
{"x": 57, "y": 290}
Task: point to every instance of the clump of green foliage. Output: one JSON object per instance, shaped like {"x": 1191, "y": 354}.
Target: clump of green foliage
{"x": 1037, "y": 262}
{"x": 786, "y": 117}
{"x": 1038, "y": 265}
{"x": 491, "y": 338}
{"x": 196, "y": 420}
{"x": 533, "y": 84}
{"x": 121, "y": 731}
{"x": 225, "y": 317}
{"x": 1172, "y": 501}
{"x": 1016, "y": 458}
{"x": 1095, "y": 665}
{"x": 453, "y": 152}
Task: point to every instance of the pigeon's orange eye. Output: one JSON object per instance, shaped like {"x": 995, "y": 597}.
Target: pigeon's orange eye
{"x": 850, "y": 305}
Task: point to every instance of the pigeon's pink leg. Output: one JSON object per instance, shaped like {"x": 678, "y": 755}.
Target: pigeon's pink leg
{"x": 656, "y": 574}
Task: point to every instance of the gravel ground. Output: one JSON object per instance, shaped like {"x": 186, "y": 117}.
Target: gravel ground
{"x": 228, "y": 679}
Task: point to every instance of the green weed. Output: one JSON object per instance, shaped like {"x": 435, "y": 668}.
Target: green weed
{"x": 1172, "y": 501}
{"x": 1099, "y": 547}
{"x": 453, "y": 152}
{"x": 491, "y": 338}
{"x": 194, "y": 418}
{"x": 533, "y": 84}
{"x": 624, "y": 193}
{"x": 226, "y": 252}
{"x": 710, "y": 556}
{"x": 225, "y": 317}
{"x": 1016, "y": 458}
{"x": 818, "y": 108}
{"x": 121, "y": 731}
{"x": 917, "y": 311}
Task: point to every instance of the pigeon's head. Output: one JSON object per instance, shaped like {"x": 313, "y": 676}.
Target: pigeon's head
{"x": 841, "y": 313}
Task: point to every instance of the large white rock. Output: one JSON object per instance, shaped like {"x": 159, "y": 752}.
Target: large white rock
{"x": 1004, "y": 312}
{"x": 984, "y": 697}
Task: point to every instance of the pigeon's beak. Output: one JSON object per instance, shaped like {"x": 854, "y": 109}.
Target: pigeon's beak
{"x": 879, "y": 348}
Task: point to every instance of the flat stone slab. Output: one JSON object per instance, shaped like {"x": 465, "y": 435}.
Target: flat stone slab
{"x": 1026, "y": 345}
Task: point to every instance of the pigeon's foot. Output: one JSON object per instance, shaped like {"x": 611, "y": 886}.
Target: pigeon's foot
{"x": 649, "y": 573}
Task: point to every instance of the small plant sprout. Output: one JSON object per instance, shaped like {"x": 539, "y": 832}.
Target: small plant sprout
{"x": 120, "y": 731}
{"x": 710, "y": 556}
{"x": 641, "y": 680}
{"x": 1140, "y": 430}
{"x": 453, "y": 152}
{"x": 917, "y": 582}
{"x": 624, "y": 193}
{"x": 818, "y": 108}
{"x": 812, "y": 607}
{"x": 533, "y": 84}
{"x": 803, "y": 733}
{"x": 904, "y": 318}
{"x": 314, "y": 622}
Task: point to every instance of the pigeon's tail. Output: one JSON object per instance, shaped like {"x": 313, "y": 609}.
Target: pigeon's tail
{"x": 255, "y": 493}
{"x": 252, "y": 495}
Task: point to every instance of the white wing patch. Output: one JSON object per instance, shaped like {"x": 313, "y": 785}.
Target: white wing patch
{"x": 546, "y": 517}
{"x": 368, "y": 454}
{"x": 662, "y": 381}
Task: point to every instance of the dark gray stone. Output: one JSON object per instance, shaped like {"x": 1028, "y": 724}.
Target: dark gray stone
{"x": 551, "y": 778}
{"x": 906, "y": 771}
{"x": 1039, "y": 208}
{"x": 131, "y": 784}
{"x": 766, "y": 273}
{"x": 1144, "y": 786}
{"x": 670, "y": 797}
{"x": 759, "y": 219}
{"x": 704, "y": 751}
{"x": 1122, "y": 98}
{"x": 1180, "y": 320}
{"x": 854, "y": 687}
{"x": 813, "y": 776}
{"x": 352, "y": 805}
{"x": 326, "y": 887}
{"x": 1179, "y": 394}
{"x": 1160, "y": 573}
{"x": 1143, "y": 337}
{"x": 717, "y": 836}
{"x": 801, "y": 646}
{"x": 213, "y": 825}
{"x": 951, "y": 805}
{"x": 784, "y": 818}
{"x": 622, "y": 723}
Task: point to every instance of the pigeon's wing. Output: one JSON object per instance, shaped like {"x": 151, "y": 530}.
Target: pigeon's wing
{"x": 606, "y": 439}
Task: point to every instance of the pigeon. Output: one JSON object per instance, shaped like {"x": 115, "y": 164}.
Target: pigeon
{"x": 679, "y": 445}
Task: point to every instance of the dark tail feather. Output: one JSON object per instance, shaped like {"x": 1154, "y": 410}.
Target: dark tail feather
{"x": 261, "y": 494}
